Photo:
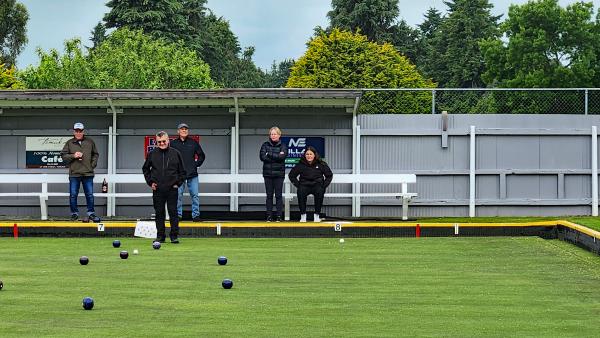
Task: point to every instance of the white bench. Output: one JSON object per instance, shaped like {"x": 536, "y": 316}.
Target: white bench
{"x": 45, "y": 179}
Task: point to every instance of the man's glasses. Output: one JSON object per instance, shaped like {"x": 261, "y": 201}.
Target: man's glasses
{"x": 78, "y": 131}
{"x": 161, "y": 142}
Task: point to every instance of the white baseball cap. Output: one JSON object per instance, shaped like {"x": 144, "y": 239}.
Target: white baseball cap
{"x": 78, "y": 125}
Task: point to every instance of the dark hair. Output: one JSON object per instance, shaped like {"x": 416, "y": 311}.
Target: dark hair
{"x": 311, "y": 148}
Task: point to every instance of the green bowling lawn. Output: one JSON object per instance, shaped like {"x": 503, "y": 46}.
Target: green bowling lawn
{"x": 495, "y": 286}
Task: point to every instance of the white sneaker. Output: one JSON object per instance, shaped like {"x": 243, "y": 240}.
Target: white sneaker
{"x": 303, "y": 218}
{"x": 317, "y": 218}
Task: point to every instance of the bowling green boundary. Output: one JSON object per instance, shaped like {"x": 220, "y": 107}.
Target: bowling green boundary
{"x": 567, "y": 230}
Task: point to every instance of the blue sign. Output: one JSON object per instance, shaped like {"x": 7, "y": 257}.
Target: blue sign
{"x": 44, "y": 159}
{"x": 297, "y": 145}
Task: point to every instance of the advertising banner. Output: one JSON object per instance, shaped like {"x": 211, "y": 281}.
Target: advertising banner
{"x": 44, "y": 151}
{"x": 297, "y": 145}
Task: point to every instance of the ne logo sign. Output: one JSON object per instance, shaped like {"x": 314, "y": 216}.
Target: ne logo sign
{"x": 297, "y": 145}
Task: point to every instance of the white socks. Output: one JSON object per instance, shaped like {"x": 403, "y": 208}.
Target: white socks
{"x": 317, "y": 218}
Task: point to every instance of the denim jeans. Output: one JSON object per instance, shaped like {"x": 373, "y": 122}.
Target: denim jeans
{"x": 88, "y": 190}
{"x": 192, "y": 185}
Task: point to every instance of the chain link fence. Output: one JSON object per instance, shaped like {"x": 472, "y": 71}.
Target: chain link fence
{"x": 480, "y": 101}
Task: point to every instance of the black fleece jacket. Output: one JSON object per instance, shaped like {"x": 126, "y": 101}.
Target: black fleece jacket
{"x": 273, "y": 155}
{"x": 165, "y": 168}
{"x": 317, "y": 172}
{"x": 189, "y": 149}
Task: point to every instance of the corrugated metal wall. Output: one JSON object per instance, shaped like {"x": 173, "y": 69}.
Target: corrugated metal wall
{"x": 526, "y": 164}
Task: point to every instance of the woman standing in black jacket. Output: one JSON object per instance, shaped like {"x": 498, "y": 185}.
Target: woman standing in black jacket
{"x": 273, "y": 154}
{"x": 315, "y": 177}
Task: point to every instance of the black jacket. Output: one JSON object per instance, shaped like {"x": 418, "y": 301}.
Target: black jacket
{"x": 189, "y": 149}
{"x": 273, "y": 159}
{"x": 165, "y": 168}
{"x": 310, "y": 174}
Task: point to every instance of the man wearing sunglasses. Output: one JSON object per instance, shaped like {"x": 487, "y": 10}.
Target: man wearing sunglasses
{"x": 164, "y": 172}
{"x": 81, "y": 155}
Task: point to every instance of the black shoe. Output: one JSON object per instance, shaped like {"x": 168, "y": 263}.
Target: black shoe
{"x": 74, "y": 217}
{"x": 278, "y": 219}
{"x": 174, "y": 240}
{"x": 160, "y": 239}
{"x": 269, "y": 219}
{"x": 196, "y": 219}
{"x": 95, "y": 218}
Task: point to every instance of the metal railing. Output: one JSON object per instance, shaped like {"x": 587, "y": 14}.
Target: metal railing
{"x": 481, "y": 101}
{"x": 45, "y": 179}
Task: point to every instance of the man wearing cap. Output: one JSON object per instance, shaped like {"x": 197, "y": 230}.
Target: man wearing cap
{"x": 81, "y": 155}
{"x": 193, "y": 157}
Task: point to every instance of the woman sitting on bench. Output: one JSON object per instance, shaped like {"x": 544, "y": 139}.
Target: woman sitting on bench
{"x": 315, "y": 177}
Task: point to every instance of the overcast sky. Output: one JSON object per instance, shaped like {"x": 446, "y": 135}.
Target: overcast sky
{"x": 278, "y": 29}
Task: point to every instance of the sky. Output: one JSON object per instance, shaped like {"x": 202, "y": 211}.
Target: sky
{"x": 278, "y": 29}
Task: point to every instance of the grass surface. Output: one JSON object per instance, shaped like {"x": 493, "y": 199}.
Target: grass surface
{"x": 491, "y": 286}
{"x": 588, "y": 221}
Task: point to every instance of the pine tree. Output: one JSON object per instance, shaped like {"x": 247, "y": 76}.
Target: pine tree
{"x": 374, "y": 18}
{"x": 455, "y": 44}
{"x": 98, "y": 35}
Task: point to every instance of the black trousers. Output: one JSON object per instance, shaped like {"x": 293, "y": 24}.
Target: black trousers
{"x": 274, "y": 185}
{"x": 317, "y": 190}
{"x": 159, "y": 198}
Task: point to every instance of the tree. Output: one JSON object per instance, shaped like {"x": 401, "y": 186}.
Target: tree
{"x": 278, "y": 76}
{"x": 221, "y": 50}
{"x": 374, "y": 18}
{"x": 455, "y": 44}
{"x": 545, "y": 46}
{"x": 430, "y": 59}
{"x": 130, "y": 59}
{"x": 126, "y": 59}
{"x": 407, "y": 41}
{"x": 159, "y": 18}
{"x": 13, "y": 31}
{"x": 56, "y": 71}
{"x": 343, "y": 59}
{"x": 433, "y": 20}
{"x": 8, "y": 80}
{"x": 98, "y": 35}
{"x": 191, "y": 22}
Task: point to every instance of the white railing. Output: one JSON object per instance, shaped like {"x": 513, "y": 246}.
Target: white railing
{"x": 45, "y": 179}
